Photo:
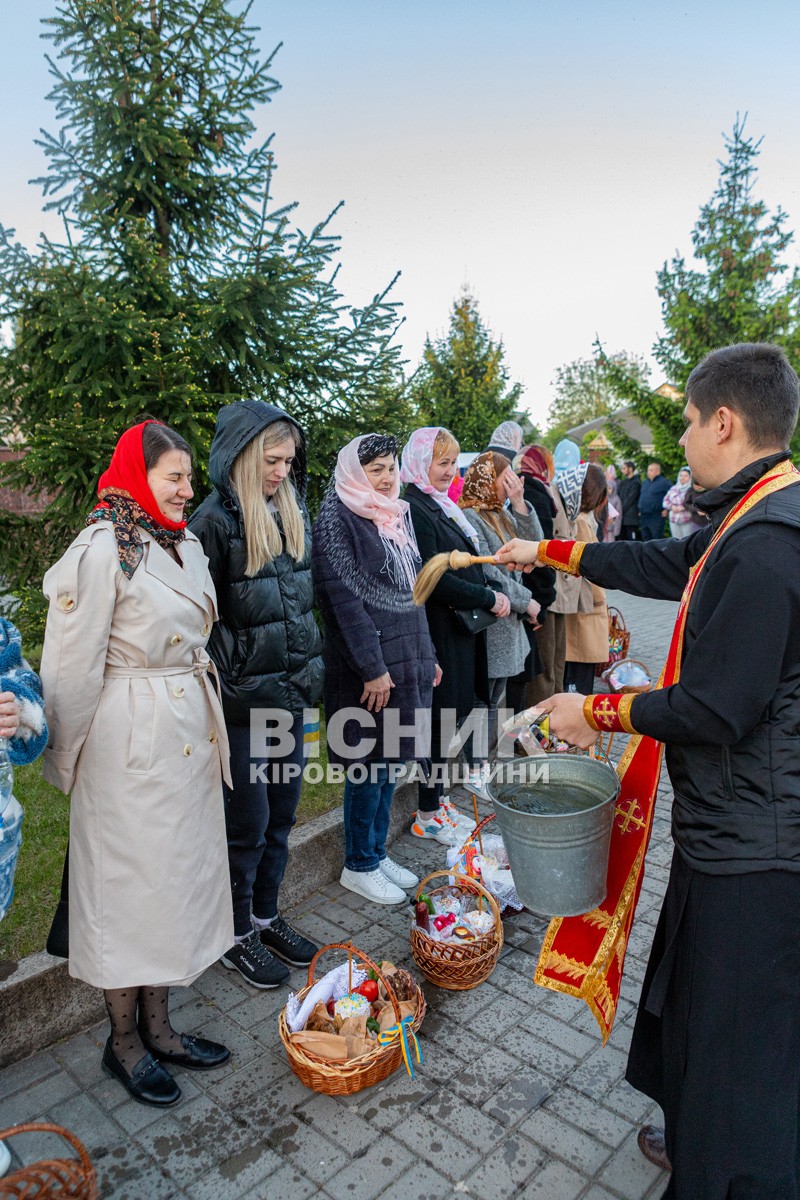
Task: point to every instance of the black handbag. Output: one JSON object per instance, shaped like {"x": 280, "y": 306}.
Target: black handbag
{"x": 473, "y": 620}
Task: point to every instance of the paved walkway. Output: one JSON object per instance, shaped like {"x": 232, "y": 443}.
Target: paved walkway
{"x": 517, "y": 1096}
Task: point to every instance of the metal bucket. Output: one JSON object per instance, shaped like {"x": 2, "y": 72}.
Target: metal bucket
{"x": 556, "y": 814}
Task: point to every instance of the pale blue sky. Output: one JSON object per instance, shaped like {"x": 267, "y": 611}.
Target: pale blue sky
{"x": 551, "y": 157}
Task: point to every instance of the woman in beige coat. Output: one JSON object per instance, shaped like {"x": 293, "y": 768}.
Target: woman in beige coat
{"x": 137, "y": 738}
{"x": 587, "y": 627}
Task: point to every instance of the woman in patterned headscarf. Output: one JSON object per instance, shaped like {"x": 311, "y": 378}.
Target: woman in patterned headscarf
{"x": 488, "y": 484}
{"x": 137, "y": 737}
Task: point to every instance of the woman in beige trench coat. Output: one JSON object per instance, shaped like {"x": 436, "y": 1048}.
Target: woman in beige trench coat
{"x": 587, "y": 629}
{"x": 137, "y": 738}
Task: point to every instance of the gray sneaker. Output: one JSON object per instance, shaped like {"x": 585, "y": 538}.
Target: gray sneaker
{"x": 255, "y": 963}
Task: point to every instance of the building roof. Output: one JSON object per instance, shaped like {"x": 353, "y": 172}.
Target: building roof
{"x": 627, "y": 419}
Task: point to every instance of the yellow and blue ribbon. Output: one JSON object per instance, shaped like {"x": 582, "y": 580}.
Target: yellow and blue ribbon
{"x": 406, "y": 1030}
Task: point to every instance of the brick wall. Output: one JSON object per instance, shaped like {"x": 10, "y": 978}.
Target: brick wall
{"x": 21, "y": 503}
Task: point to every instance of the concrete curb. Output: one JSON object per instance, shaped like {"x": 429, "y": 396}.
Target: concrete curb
{"x": 40, "y": 1003}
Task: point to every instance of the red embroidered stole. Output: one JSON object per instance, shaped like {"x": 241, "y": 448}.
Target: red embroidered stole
{"x": 584, "y": 956}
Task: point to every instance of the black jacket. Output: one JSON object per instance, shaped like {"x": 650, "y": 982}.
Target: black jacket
{"x": 364, "y": 638}
{"x": 265, "y": 644}
{"x": 731, "y": 724}
{"x": 541, "y": 583}
{"x": 629, "y": 499}
{"x": 460, "y": 654}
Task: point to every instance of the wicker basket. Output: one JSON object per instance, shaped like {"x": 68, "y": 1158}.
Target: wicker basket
{"x": 626, "y": 690}
{"x": 619, "y": 640}
{"x": 475, "y": 839}
{"x": 52, "y": 1177}
{"x": 345, "y": 1078}
{"x": 458, "y": 966}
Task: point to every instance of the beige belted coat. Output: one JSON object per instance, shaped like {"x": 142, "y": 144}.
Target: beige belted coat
{"x": 587, "y": 632}
{"x": 137, "y": 737}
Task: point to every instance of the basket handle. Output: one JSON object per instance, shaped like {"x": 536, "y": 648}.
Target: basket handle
{"x": 468, "y": 882}
{"x": 351, "y": 949}
{"x": 618, "y": 618}
{"x": 45, "y": 1127}
{"x": 479, "y": 828}
{"x": 615, "y": 666}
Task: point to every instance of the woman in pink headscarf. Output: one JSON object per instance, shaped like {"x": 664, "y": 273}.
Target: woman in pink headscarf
{"x": 377, "y": 651}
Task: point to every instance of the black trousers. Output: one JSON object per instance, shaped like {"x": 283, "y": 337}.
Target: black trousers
{"x": 579, "y": 677}
{"x": 717, "y": 1036}
{"x": 259, "y": 816}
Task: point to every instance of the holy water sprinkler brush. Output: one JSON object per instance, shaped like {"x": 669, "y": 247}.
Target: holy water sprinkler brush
{"x": 435, "y": 568}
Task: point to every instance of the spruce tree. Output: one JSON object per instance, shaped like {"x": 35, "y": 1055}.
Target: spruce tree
{"x": 178, "y": 286}
{"x": 741, "y": 291}
{"x": 462, "y": 383}
{"x": 583, "y": 392}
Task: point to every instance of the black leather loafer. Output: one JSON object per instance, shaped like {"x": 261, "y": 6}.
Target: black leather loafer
{"x": 198, "y": 1053}
{"x": 148, "y": 1082}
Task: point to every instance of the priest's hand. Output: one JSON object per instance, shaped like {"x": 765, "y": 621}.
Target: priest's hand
{"x": 567, "y": 721}
{"x": 518, "y": 555}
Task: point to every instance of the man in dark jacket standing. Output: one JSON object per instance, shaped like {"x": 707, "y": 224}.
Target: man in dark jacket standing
{"x": 629, "y": 487}
{"x": 717, "y": 1036}
{"x": 651, "y": 502}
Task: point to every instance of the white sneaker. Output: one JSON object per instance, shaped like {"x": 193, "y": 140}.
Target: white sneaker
{"x": 5, "y": 1158}
{"x": 398, "y": 875}
{"x": 476, "y": 782}
{"x": 373, "y": 885}
{"x": 457, "y": 818}
{"x": 440, "y": 828}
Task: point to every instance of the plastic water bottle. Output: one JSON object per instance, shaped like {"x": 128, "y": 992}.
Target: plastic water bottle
{"x": 6, "y": 775}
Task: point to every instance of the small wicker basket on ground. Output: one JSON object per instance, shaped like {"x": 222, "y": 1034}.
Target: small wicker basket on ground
{"x": 475, "y": 839}
{"x": 458, "y": 966}
{"x": 65, "y": 1178}
{"x": 345, "y": 1078}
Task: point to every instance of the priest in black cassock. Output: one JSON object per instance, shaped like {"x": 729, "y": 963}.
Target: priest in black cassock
{"x": 717, "y": 1036}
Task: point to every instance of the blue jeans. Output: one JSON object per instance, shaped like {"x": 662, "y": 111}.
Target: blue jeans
{"x": 366, "y": 819}
{"x": 259, "y": 817}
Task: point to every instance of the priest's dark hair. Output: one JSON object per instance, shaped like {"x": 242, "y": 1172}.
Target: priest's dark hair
{"x": 757, "y": 382}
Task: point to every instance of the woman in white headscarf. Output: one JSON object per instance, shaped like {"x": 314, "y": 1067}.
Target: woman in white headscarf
{"x": 506, "y": 439}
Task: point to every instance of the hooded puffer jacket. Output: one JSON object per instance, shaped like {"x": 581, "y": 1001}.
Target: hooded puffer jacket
{"x": 266, "y": 644}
